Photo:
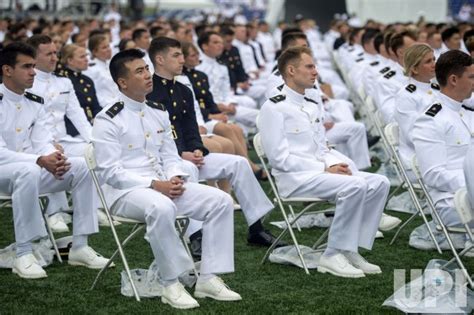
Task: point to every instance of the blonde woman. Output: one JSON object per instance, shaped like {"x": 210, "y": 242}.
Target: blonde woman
{"x": 412, "y": 99}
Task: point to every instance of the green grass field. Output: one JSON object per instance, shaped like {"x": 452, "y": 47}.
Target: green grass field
{"x": 265, "y": 289}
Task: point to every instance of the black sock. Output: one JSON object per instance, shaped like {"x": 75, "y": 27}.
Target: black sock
{"x": 256, "y": 227}
{"x": 195, "y": 235}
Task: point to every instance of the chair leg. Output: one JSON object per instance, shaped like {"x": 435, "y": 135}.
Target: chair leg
{"x": 321, "y": 239}
{"x": 50, "y": 231}
{"x": 182, "y": 226}
{"x": 293, "y": 214}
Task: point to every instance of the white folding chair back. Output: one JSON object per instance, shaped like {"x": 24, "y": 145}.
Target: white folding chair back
{"x": 257, "y": 142}
{"x": 463, "y": 207}
{"x": 392, "y": 134}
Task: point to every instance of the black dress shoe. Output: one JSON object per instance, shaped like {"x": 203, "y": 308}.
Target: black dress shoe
{"x": 196, "y": 248}
{"x": 263, "y": 238}
{"x": 372, "y": 140}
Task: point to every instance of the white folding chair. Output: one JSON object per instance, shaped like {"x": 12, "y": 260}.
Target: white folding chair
{"x": 281, "y": 201}
{"x": 392, "y": 135}
{"x": 463, "y": 214}
{"x": 4, "y": 198}
{"x": 182, "y": 223}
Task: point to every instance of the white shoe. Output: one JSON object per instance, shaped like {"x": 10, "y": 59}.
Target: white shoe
{"x": 338, "y": 265}
{"x": 216, "y": 289}
{"x": 359, "y": 262}
{"x": 103, "y": 220}
{"x": 57, "y": 224}
{"x": 379, "y": 234}
{"x": 387, "y": 222}
{"x": 469, "y": 253}
{"x": 87, "y": 257}
{"x": 177, "y": 296}
{"x": 237, "y": 206}
{"x": 28, "y": 267}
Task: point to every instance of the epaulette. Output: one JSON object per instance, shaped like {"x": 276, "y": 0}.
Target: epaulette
{"x": 463, "y": 106}
{"x": 310, "y": 100}
{"x": 389, "y": 74}
{"x": 410, "y": 88}
{"x": 1, "y": 96}
{"x": 278, "y": 98}
{"x": 359, "y": 60}
{"x": 350, "y": 49}
{"x": 277, "y": 73}
{"x": 434, "y": 109}
{"x": 280, "y": 87}
{"x": 34, "y": 98}
{"x": 220, "y": 62}
{"x": 384, "y": 70}
{"x": 435, "y": 86}
{"x": 115, "y": 109}
{"x": 92, "y": 64}
{"x": 315, "y": 87}
{"x": 156, "y": 105}
{"x": 275, "y": 68}
{"x": 374, "y": 63}
{"x": 360, "y": 54}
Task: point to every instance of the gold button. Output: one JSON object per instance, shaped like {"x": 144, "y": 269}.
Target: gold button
{"x": 297, "y": 130}
{"x": 147, "y": 135}
{"x": 18, "y": 129}
{"x": 81, "y": 81}
{"x": 184, "y": 111}
{"x": 89, "y": 99}
{"x": 429, "y": 92}
{"x": 459, "y": 142}
{"x": 142, "y": 114}
{"x": 163, "y": 81}
{"x": 174, "y": 104}
{"x": 195, "y": 75}
{"x": 198, "y": 83}
{"x": 171, "y": 91}
{"x": 203, "y": 91}
{"x": 85, "y": 90}
{"x": 130, "y": 146}
{"x": 18, "y": 106}
{"x": 174, "y": 117}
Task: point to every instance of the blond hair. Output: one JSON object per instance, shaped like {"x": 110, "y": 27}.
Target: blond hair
{"x": 67, "y": 52}
{"x": 413, "y": 57}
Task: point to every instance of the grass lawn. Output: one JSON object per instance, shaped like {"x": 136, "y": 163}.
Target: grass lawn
{"x": 265, "y": 289}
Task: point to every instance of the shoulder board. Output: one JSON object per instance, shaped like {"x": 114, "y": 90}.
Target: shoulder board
{"x": 156, "y": 105}
{"x": 92, "y": 64}
{"x": 277, "y": 73}
{"x": 114, "y": 109}
{"x": 463, "y": 106}
{"x": 275, "y": 68}
{"x": 435, "y": 86}
{"x": 389, "y": 74}
{"x": 374, "y": 63}
{"x": 34, "y": 98}
{"x": 310, "y": 100}
{"x": 315, "y": 87}
{"x": 278, "y": 98}
{"x": 384, "y": 69}
{"x": 1, "y": 96}
{"x": 434, "y": 109}
{"x": 359, "y": 60}
{"x": 360, "y": 54}
{"x": 410, "y": 88}
{"x": 351, "y": 49}
{"x": 280, "y": 87}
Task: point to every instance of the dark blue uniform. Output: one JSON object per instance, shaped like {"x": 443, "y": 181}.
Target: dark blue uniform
{"x": 231, "y": 58}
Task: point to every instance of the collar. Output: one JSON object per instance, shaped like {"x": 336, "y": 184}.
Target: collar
{"x": 292, "y": 95}
{"x": 449, "y": 102}
{"x": 163, "y": 80}
{"x": 206, "y": 59}
{"x": 421, "y": 85}
{"x": 132, "y": 104}
{"x": 41, "y": 75}
{"x": 9, "y": 94}
{"x": 73, "y": 72}
{"x": 399, "y": 68}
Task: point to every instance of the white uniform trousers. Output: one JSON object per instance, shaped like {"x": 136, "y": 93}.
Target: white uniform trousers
{"x": 350, "y": 139}
{"x": 469, "y": 174}
{"x": 236, "y": 169}
{"x": 246, "y": 101}
{"x": 246, "y": 118}
{"x": 257, "y": 93}
{"x": 341, "y": 110}
{"x": 25, "y": 181}
{"x": 360, "y": 200}
{"x": 58, "y": 201}
{"x": 199, "y": 202}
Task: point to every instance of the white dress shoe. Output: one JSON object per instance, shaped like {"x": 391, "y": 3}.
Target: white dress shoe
{"x": 387, "y": 222}
{"x": 87, "y": 257}
{"x": 359, "y": 262}
{"x": 216, "y": 289}
{"x": 103, "y": 220}
{"x": 379, "y": 234}
{"x": 338, "y": 265}
{"x": 57, "y": 224}
{"x": 237, "y": 206}
{"x": 28, "y": 267}
{"x": 177, "y": 296}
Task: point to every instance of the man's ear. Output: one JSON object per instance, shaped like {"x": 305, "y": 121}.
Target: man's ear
{"x": 7, "y": 70}
{"x": 452, "y": 80}
{"x": 122, "y": 83}
{"x": 290, "y": 70}
{"x": 159, "y": 60}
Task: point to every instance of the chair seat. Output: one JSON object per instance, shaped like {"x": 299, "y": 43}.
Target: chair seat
{"x": 301, "y": 199}
{"x": 132, "y": 221}
{"x": 454, "y": 229}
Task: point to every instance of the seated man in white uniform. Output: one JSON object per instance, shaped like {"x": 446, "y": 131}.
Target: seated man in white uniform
{"x": 469, "y": 174}
{"x": 31, "y": 166}
{"x": 443, "y": 133}
{"x": 139, "y": 162}
{"x": 293, "y": 139}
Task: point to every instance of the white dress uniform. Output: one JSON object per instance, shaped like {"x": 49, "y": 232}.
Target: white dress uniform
{"x": 373, "y": 72}
{"x": 266, "y": 40}
{"x": 24, "y": 138}
{"x": 246, "y": 56}
{"x": 219, "y": 84}
{"x": 442, "y": 135}
{"x": 133, "y": 147}
{"x": 330, "y": 37}
{"x": 469, "y": 173}
{"x": 106, "y": 89}
{"x": 60, "y": 101}
{"x": 411, "y": 101}
{"x": 294, "y": 142}
{"x": 388, "y": 85}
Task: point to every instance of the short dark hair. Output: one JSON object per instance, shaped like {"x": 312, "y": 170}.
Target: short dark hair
{"x": 291, "y": 30}
{"x": 451, "y": 62}
{"x": 206, "y": 37}
{"x": 290, "y": 55}
{"x": 138, "y": 33}
{"x": 161, "y": 45}
{"x": 37, "y": 40}
{"x": 378, "y": 41}
{"x": 155, "y": 31}
{"x": 123, "y": 43}
{"x": 449, "y": 32}
{"x": 227, "y": 31}
{"x": 117, "y": 64}
{"x": 467, "y": 35}
{"x": 9, "y": 54}
{"x": 95, "y": 41}
{"x": 397, "y": 40}
{"x": 290, "y": 38}
{"x": 368, "y": 35}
